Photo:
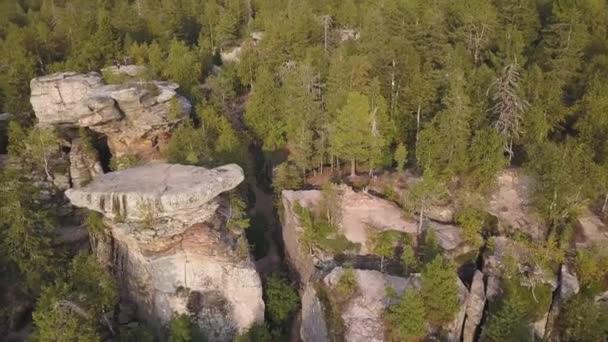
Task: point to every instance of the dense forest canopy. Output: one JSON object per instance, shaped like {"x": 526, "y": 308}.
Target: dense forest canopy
{"x": 454, "y": 91}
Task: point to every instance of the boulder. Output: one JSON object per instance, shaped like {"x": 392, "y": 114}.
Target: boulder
{"x": 569, "y": 285}
{"x": 590, "y": 229}
{"x": 511, "y": 204}
{"x": 475, "y": 307}
{"x": 232, "y": 55}
{"x": 172, "y": 250}
{"x": 449, "y": 238}
{"x": 84, "y": 164}
{"x": 129, "y": 114}
{"x": 363, "y": 315}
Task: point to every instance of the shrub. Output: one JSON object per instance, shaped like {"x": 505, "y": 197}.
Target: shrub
{"x": 592, "y": 267}
{"x": 114, "y": 78}
{"x": 124, "y": 162}
{"x": 506, "y": 324}
{"x": 180, "y": 329}
{"x": 94, "y": 223}
{"x": 347, "y": 284}
{"x": 281, "y": 299}
{"x": 583, "y": 320}
{"x": 257, "y": 333}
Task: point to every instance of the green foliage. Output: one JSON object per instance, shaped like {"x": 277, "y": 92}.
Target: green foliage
{"x": 27, "y": 232}
{"x": 257, "y": 333}
{"x": 175, "y": 110}
{"x": 430, "y": 249}
{"x": 237, "y": 217}
{"x": 94, "y": 223}
{"x": 472, "y": 221}
{"x": 406, "y": 320}
{"x": 439, "y": 292}
{"x": 286, "y": 178}
{"x": 319, "y": 234}
{"x": 401, "y": 156}
{"x": 281, "y": 299}
{"x": 592, "y": 267}
{"x": 506, "y": 324}
{"x": 583, "y": 319}
{"x": 125, "y": 161}
{"x": 111, "y": 77}
{"x": 347, "y": 284}
{"x": 72, "y": 308}
{"x": 180, "y": 329}
{"x": 408, "y": 259}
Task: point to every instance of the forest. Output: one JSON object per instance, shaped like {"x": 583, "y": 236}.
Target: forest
{"x": 454, "y": 92}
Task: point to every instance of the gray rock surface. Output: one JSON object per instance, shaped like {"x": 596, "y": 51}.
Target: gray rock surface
{"x": 314, "y": 327}
{"x": 173, "y": 197}
{"x": 363, "y": 315}
{"x": 129, "y": 114}
{"x": 84, "y": 165}
{"x": 569, "y": 285}
{"x": 172, "y": 251}
{"x": 475, "y": 306}
{"x": 511, "y": 204}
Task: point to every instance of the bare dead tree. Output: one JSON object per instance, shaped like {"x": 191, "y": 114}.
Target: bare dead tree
{"x": 509, "y": 105}
{"x": 327, "y": 21}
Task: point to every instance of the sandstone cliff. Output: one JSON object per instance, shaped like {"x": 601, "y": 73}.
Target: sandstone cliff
{"x": 129, "y": 114}
{"x": 172, "y": 250}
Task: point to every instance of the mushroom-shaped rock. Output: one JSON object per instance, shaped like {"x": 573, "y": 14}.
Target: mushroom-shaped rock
{"x": 171, "y": 246}
{"x": 168, "y": 197}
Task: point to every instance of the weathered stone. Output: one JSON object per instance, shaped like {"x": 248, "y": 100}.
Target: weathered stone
{"x": 313, "y": 327}
{"x": 84, "y": 165}
{"x": 440, "y": 213}
{"x": 231, "y": 56}
{"x": 475, "y": 306}
{"x": 130, "y": 70}
{"x": 360, "y": 212}
{"x": 363, "y": 315}
{"x": 590, "y": 229}
{"x": 129, "y": 114}
{"x": 175, "y": 196}
{"x": 569, "y": 285}
{"x": 454, "y": 329}
{"x": 172, "y": 252}
{"x": 511, "y": 204}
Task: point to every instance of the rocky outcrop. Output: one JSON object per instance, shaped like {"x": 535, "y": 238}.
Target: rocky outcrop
{"x": 360, "y": 212}
{"x": 172, "y": 250}
{"x": 313, "y": 327}
{"x": 590, "y": 229}
{"x": 475, "y": 306}
{"x": 511, "y": 204}
{"x": 363, "y": 315}
{"x": 129, "y": 114}
{"x": 449, "y": 237}
{"x": 569, "y": 285}
{"x": 84, "y": 164}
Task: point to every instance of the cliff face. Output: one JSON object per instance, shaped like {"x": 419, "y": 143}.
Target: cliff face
{"x": 129, "y": 114}
{"x": 172, "y": 250}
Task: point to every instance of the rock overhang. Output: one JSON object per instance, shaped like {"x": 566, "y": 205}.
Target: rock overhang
{"x": 168, "y": 188}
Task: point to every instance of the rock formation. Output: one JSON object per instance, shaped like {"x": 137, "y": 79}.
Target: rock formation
{"x": 363, "y": 315}
{"x": 84, "y": 164}
{"x": 172, "y": 250}
{"x": 129, "y": 114}
{"x": 475, "y": 306}
{"x": 511, "y": 204}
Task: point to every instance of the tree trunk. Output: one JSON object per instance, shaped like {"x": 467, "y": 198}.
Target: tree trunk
{"x": 418, "y": 124}
{"x": 353, "y": 171}
{"x": 331, "y": 163}
{"x": 420, "y": 218}
{"x": 382, "y": 263}
{"x": 605, "y": 205}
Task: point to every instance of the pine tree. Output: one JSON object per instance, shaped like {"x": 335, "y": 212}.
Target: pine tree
{"x": 406, "y": 319}
{"x": 263, "y": 111}
{"x": 439, "y": 291}
{"x": 400, "y": 156}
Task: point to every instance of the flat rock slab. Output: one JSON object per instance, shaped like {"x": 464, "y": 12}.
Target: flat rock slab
{"x": 165, "y": 189}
